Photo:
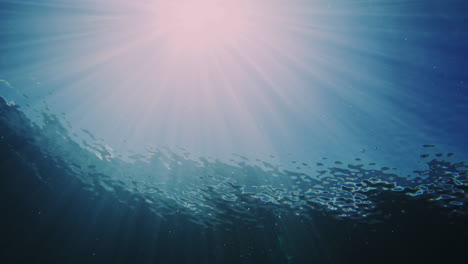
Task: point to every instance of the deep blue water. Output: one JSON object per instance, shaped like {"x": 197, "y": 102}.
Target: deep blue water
{"x": 62, "y": 204}
{"x": 365, "y": 161}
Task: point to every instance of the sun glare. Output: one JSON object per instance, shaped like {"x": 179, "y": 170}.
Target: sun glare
{"x": 203, "y": 24}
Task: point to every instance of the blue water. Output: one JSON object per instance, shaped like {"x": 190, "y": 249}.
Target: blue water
{"x": 363, "y": 160}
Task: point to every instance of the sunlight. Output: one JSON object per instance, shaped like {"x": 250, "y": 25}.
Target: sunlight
{"x": 213, "y": 76}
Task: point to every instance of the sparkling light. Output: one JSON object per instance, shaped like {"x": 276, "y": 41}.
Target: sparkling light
{"x": 219, "y": 76}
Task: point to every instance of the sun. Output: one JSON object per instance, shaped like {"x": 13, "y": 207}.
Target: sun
{"x": 200, "y": 18}
{"x": 203, "y": 25}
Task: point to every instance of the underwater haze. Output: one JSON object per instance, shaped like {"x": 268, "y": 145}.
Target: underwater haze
{"x": 221, "y": 131}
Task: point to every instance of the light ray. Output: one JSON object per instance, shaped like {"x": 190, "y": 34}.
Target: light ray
{"x": 235, "y": 76}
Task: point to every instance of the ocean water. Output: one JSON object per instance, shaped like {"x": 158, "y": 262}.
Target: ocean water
{"x": 322, "y": 132}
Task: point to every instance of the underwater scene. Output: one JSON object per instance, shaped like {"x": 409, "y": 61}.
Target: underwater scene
{"x": 220, "y": 131}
